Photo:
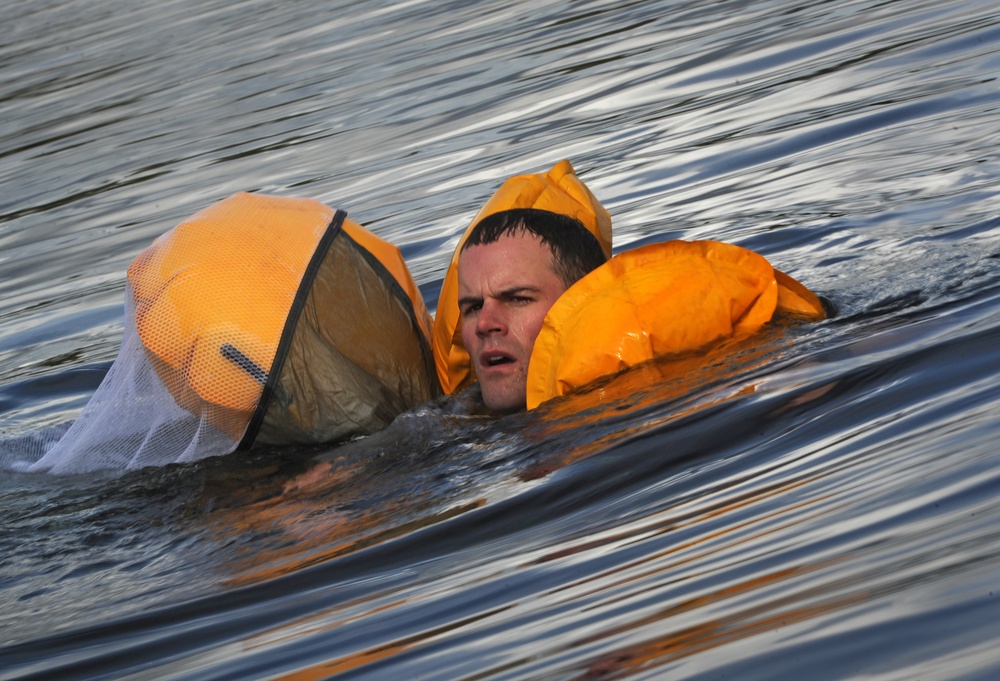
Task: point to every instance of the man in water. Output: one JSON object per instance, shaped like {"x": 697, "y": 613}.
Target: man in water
{"x": 512, "y": 268}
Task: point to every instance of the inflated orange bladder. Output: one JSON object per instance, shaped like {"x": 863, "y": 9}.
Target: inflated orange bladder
{"x": 657, "y": 301}
{"x": 559, "y": 191}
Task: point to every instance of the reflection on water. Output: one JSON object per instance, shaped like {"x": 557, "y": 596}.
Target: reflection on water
{"x": 815, "y": 502}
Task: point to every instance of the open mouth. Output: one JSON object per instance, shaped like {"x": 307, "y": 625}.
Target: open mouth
{"x": 495, "y": 359}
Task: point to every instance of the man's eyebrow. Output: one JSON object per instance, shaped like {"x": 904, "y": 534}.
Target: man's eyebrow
{"x": 468, "y": 300}
{"x": 505, "y": 294}
{"x": 515, "y": 290}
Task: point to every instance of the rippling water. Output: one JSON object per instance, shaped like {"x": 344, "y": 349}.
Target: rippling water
{"x": 813, "y": 503}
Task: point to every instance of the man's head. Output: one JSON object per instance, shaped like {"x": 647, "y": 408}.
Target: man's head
{"x": 513, "y": 266}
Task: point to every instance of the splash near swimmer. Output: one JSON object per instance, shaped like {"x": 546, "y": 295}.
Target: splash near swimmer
{"x": 265, "y": 320}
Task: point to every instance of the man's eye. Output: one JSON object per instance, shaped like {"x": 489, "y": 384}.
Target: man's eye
{"x": 469, "y": 309}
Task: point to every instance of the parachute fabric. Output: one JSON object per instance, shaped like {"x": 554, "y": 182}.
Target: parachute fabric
{"x": 260, "y": 320}
{"x": 360, "y": 354}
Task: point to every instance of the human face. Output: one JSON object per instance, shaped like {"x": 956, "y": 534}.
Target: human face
{"x": 504, "y": 290}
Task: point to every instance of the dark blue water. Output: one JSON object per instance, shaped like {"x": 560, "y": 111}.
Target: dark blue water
{"x": 815, "y": 502}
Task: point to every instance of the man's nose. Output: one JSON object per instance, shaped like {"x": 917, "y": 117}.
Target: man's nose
{"x": 491, "y": 319}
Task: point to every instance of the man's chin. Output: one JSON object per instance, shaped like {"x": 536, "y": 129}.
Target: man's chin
{"x": 504, "y": 399}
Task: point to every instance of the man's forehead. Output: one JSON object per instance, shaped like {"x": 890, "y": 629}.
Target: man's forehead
{"x": 519, "y": 256}
{"x": 518, "y": 243}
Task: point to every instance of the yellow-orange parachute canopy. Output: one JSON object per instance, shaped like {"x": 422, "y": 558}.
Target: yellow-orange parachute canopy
{"x": 282, "y": 298}
{"x": 259, "y": 320}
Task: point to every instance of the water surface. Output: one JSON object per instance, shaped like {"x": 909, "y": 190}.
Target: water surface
{"x": 816, "y": 502}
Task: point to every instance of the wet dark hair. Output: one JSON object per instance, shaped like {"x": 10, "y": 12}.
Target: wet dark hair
{"x": 575, "y": 251}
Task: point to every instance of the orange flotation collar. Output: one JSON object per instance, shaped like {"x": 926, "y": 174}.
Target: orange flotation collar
{"x": 656, "y": 301}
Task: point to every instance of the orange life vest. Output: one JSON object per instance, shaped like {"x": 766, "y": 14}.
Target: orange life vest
{"x": 655, "y": 301}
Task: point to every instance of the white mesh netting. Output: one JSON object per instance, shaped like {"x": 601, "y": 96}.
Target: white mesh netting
{"x": 131, "y": 421}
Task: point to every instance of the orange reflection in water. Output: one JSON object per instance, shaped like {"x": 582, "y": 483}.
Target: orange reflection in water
{"x": 664, "y": 390}
{"x": 329, "y": 668}
{"x": 312, "y": 530}
{"x": 294, "y": 530}
{"x": 713, "y": 633}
